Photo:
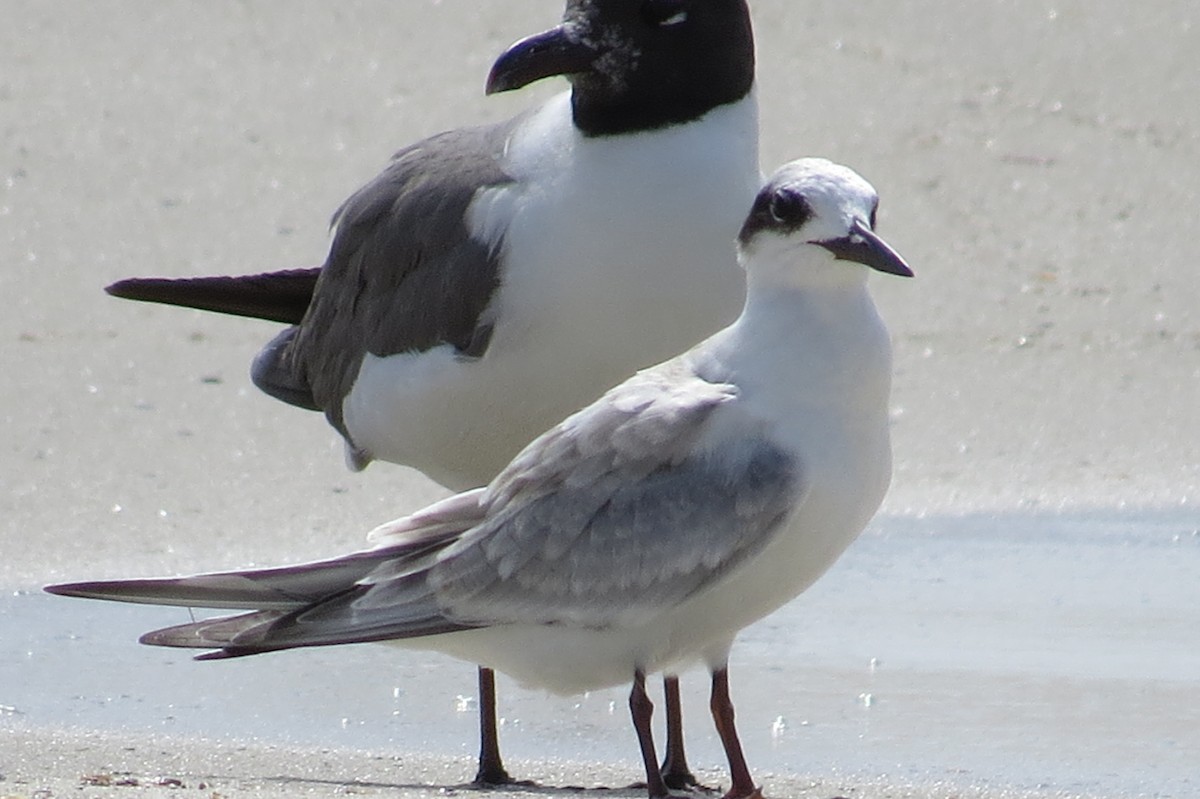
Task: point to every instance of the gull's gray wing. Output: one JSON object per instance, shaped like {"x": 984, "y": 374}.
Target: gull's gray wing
{"x": 635, "y": 503}
{"x": 403, "y": 272}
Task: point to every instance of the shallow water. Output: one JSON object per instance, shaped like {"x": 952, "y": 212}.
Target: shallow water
{"x": 1026, "y": 651}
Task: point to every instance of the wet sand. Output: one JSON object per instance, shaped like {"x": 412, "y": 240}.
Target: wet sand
{"x": 165, "y": 767}
{"x": 1037, "y": 162}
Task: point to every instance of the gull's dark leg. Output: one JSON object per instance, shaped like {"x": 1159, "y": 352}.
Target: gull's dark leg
{"x": 675, "y": 771}
{"x": 642, "y": 709}
{"x": 741, "y": 785}
{"x": 491, "y": 768}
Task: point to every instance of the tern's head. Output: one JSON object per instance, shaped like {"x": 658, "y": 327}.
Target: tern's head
{"x": 639, "y": 64}
{"x": 812, "y": 209}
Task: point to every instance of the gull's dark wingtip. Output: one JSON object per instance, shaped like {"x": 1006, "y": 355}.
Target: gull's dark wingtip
{"x": 282, "y": 296}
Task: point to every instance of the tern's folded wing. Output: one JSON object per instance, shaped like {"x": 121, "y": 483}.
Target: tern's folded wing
{"x": 632, "y": 505}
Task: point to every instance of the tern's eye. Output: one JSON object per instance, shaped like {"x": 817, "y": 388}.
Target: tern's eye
{"x": 664, "y": 13}
{"x": 790, "y": 209}
{"x": 874, "y": 209}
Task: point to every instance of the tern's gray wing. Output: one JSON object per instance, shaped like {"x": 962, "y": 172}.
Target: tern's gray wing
{"x": 403, "y": 274}
{"x": 375, "y": 595}
{"x": 411, "y": 541}
{"x": 297, "y": 601}
{"x": 634, "y": 504}
{"x": 630, "y": 506}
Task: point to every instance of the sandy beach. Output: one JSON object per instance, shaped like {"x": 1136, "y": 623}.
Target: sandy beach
{"x": 1023, "y": 617}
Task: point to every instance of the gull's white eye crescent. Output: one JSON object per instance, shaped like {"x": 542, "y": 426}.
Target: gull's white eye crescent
{"x": 665, "y": 13}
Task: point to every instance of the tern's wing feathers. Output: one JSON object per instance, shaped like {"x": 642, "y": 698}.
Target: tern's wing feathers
{"x": 630, "y": 506}
{"x": 356, "y": 615}
{"x": 311, "y": 604}
{"x": 284, "y": 587}
{"x": 624, "y": 510}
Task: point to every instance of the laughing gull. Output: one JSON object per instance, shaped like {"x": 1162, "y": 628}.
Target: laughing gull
{"x": 643, "y": 532}
{"x": 494, "y": 279}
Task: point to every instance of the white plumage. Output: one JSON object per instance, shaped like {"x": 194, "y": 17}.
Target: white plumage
{"x": 616, "y": 255}
{"x": 645, "y": 531}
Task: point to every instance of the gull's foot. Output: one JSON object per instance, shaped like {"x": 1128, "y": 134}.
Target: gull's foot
{"x": 488, "y": 778}
{"x": 684, "y": 780}
{"x": 641, "y": 786}
{"x": 664, "y": 796}
{"x": 754, "y": 794}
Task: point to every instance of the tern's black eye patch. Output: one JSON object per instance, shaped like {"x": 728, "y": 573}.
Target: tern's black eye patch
{"x": 780, "y": 210}
{"x": 790, "y": 210}
{"x": 664, "y": 13}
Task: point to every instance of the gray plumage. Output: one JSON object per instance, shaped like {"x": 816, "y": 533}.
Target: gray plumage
{"x": 643, "y": 532}
{"x": 409, "y": 274}
{"x": 606, "y": 517}
{"x": 616, "y": 511}
{"x": 661, "y": 98}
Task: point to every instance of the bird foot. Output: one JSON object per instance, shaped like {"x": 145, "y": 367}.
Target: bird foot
{"x": 756, "y": 793}
{"x": 499, "y": 778}
{"x": 641, "y": 786}
{"x": 685, "y": 781}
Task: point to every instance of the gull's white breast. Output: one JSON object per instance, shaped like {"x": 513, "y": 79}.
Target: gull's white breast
{"x": 619, "y": 252}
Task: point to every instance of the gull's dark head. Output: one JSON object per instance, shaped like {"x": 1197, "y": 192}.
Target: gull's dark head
{"x": 639, "y": 64}
{"x": 813, "y": 202}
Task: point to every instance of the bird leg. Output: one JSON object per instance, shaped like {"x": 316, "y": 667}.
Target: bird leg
{"x": 642, "y": 709}
{"x": 491, "y": 769}
{"x": 741, "y": 785}
{"x": 675, "y": 771}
